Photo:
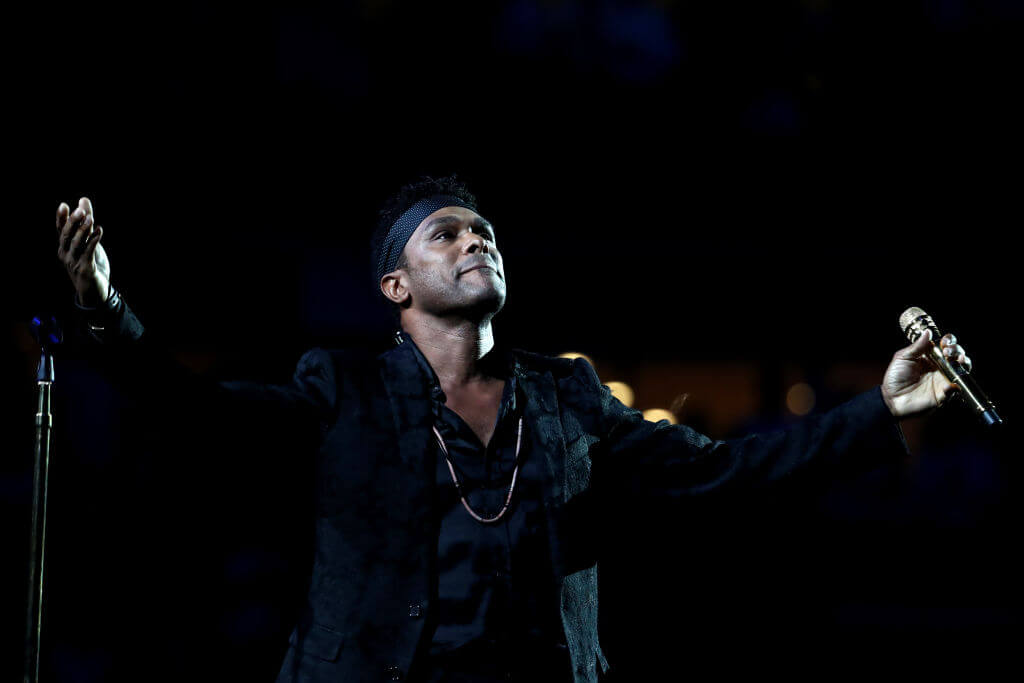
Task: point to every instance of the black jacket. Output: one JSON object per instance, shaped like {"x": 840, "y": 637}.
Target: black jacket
{"x": 368, "y": 419}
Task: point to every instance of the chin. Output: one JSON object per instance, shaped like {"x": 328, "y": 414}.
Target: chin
{"x": 487, "y": 304}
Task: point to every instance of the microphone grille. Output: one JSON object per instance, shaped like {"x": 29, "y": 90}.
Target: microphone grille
{"x": 909, "y": 316}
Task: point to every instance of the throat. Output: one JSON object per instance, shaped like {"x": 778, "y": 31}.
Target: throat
{"x": 478, "y": 407}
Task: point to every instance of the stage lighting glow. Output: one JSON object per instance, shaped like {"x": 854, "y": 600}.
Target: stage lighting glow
{"x": 623, "y": 392}
{"x": 656, "y": 414}
{"x": 800, "y": 398}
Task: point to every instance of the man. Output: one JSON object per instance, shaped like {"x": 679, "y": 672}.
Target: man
{"x": 459, "y": 483}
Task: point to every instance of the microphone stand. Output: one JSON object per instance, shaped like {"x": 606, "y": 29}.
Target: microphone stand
{"x": 48, "y": 335}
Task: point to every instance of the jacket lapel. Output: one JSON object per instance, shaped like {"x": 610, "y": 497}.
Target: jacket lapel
{"x": 541, "y": 414}
{"x": 548, "y": 438}
{"x": 408, "y": 393}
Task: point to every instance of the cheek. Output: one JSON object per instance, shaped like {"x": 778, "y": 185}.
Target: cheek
{"x": 432, "y": 280}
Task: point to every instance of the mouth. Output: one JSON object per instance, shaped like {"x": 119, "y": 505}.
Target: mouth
{"x": 478, "y": 267}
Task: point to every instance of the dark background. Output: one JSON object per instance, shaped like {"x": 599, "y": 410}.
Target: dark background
{"x": 681, "y": 190}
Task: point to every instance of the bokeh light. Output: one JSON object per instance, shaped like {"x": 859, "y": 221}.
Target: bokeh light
{"x": 656, "y": 414}
{"x": 574, "y": 354}
{"x": 623, "y": 392}
{"x": 800, "y": 398}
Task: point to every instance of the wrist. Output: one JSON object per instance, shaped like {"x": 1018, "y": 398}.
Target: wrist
{"x": 94, "y": 298}
{"x": 87, "y": 301}
{"x": 889, "y": 403}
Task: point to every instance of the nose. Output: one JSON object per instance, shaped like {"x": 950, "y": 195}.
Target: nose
{"x": 474, "y": 243}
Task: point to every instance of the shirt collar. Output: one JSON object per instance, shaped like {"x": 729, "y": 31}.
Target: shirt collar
{"x": 504, "y": 360}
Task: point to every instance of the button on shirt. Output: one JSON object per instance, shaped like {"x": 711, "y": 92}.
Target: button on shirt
{"x": 498, "y": 603}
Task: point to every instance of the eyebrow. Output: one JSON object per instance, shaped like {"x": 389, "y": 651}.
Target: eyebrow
{"x": 477, "y": 222}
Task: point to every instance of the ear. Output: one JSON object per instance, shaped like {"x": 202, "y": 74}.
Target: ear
{"x": 394, "y": 288}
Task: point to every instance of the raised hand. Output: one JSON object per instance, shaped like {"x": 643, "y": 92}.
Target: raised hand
{"x": 80, "y": 251}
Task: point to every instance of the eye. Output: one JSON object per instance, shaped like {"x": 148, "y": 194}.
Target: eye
{"x": 442, "y": 233}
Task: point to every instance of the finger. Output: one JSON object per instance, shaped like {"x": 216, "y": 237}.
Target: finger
{"x": 69, "y": 228}
{"x": 90, "y": 247}
{"x": 965, "y": 361}
{"x": 948, "y": 340}
{"x": 78, "y": 241}
{"x": 66, "y": 232}
{"x": 915, "y": 350}
{"x": 85, "y": 204}
{"x": 62, "y": 215}
{"x": 948, "y": 389}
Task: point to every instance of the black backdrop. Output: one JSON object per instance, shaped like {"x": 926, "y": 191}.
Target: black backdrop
{"x": 766, "y": 185}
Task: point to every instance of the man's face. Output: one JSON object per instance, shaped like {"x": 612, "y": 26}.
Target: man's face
{"x": 453, "y": 265}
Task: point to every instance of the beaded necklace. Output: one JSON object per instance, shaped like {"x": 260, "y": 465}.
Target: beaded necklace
{"x": 458, "y": 486}
{"x": 399, "y": 340}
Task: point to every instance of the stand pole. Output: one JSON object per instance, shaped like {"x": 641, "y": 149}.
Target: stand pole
{"x": 40, "y": 480}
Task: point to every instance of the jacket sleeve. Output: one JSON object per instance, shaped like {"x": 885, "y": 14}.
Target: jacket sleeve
{"x": 142, "y": 368}
{"x": 646, "y": 460}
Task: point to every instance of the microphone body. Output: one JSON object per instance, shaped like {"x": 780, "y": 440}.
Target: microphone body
{"x": 914, "y": 322}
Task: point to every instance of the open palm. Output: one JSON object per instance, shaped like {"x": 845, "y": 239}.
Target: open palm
{"x": 80, "y": 251}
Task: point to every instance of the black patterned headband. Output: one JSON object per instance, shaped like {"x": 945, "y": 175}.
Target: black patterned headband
{"x": 403, "y": 228}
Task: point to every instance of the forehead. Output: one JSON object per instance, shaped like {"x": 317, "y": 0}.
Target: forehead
{"x": 451, "y": 215}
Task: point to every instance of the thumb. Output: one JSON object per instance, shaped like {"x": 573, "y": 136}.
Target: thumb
{"x": 918, "y": 348}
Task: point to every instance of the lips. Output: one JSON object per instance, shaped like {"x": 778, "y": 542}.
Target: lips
{"x": 478, "y": 266}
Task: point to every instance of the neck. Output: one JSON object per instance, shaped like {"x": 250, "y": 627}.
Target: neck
{"x": 454, "y": 348}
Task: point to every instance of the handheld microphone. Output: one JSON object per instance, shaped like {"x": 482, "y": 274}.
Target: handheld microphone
{"x": 914, "y": 322}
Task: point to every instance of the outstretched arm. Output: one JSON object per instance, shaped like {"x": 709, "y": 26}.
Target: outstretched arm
{"x": 644, "y": 460}
{"x": 144, "y": 369}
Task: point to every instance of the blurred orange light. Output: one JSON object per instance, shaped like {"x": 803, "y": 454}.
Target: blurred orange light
{"x": 800, "y": 398}
{"x": 656, "y": 414}
{"x": 623, "y": 392}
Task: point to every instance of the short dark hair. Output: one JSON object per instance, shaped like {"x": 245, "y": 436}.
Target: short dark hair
{"x": 402, "y": 201}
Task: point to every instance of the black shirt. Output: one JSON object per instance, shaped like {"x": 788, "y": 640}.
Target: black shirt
{"x": 498, "y": 602}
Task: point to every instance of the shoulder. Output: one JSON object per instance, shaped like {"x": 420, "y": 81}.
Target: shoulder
{"x": 538, "y": 362}
{"x": 328, "y": 374}
{"x": 563, "y": 370}
{"x": 333, "y": 363}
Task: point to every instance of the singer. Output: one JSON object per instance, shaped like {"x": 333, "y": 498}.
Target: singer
{"x": 459, "y": 481}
